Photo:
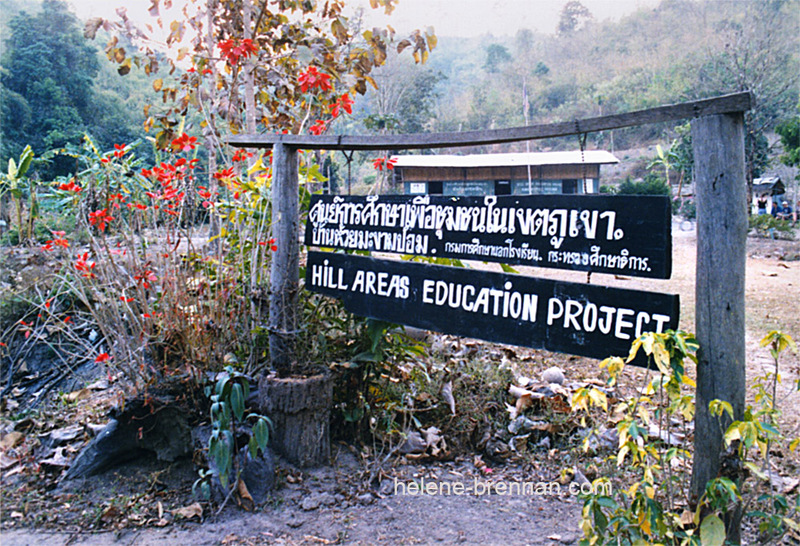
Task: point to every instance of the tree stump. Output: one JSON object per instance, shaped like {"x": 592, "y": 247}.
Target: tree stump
{"x": 300, "y": 410}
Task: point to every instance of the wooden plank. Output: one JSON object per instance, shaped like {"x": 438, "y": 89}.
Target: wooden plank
{"x": 625, "y": 235}
{"x": 718, "y": 143}
{"x": 582, "y": 319}
{"x": 284, "y": 284}
{"x": 738, "y": 102}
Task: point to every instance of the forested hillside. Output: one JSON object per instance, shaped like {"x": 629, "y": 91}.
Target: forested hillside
{"x": 56, "y": 85}
{"x": 683, "y": 50}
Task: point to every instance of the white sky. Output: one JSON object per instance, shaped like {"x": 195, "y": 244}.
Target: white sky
{"x": 464, "y": 18}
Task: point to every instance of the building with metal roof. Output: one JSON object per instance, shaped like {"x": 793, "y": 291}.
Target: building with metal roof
{"x": 571, "y": 172}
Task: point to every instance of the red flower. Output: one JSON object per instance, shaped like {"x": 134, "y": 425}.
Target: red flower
{"x": 83, "y": 265}
{"x": 100, "y": 218}
{"x": 222, "y": 175}
{"x": 241, "y": 155}
{"x": 145, "y": 276}
{"x": 119, "y": 150}
{"x": 318, "y": 128}
{"x": 342, "y": 103}
{"x": 102, "y": 357}
{"x": 312, "y": 79}
{"x": 233, "y": 49}
{"x": 63, "y": 243}
{"x": 126, "y": 300}
{"x": 183, "y": 143}
{"x": 382, "y": 161}
{"x": 270, "y": 243}
{"x": 71, "y": 186}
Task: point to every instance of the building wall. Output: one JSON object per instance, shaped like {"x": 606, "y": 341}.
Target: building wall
{"x": 549, "y": 179}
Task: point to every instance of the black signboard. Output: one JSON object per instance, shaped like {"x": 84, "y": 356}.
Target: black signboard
{"x": 581, "y": 319}
{"x": 625, "y": 235}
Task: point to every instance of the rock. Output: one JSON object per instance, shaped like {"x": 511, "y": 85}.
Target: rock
{"x": 553, "y": 375}
{"x": 416, "y": 333}
{"x": 61, "y": 436}
{"x": 315, "y": 500}
{"x": 158, "y": 427}
{"x": 523, "y": 425}
{"x": 259, "y": 474}
{"x": 366, "y": 498}
{"x": 294, "y": 522}
{"x": 414, "y": 444}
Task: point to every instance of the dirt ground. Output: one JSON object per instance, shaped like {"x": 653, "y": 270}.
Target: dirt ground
{"x": 336, "y": 505}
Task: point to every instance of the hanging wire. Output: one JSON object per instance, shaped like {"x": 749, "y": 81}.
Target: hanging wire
{"x": 582, "y": 144}
{"x": 349, "y": 159}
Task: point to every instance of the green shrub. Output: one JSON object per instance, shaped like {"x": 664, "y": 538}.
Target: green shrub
{"x": 651, "y": 185}
{"x": 766, "y": 225}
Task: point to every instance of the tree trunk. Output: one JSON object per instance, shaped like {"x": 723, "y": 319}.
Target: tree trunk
{"x": 718, "y": 147}
{"x": 300, "y": 410}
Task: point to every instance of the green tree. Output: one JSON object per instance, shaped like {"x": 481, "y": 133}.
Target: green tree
{"x": 789, "y": 132}
{"x": 48, "y": 98}
{"x": 496, "y": 56}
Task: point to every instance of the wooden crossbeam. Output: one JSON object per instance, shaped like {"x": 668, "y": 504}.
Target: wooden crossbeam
{"x": 726, "y": 104}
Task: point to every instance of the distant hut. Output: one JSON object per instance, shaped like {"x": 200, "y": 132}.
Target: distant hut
{"x": 501, "y": 174}
{"x": 768, "y": 189}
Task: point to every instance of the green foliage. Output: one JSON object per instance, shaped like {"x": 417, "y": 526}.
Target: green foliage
{"x": 789, "y": 132}
{"x": 496, "y": 56}
{"x": 651, "y": 185}
{"x": 48, "y": 98}
{"x": 228, "y": 414}
{"x": 766, "y": 225}
{"x": 650, "y": 510}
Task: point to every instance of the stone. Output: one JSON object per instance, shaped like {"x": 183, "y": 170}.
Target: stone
{"x": 315, "y": 500}
{"x": 61, "y": 436}
{"x": 414, "y": 443}
{"x": 553, "y": 375}
{"x": 258, "y": 474}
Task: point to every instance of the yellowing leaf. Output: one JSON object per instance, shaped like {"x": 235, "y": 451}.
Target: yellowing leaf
{"x": 158, "y": 84}
{"x": 712, "y": 531}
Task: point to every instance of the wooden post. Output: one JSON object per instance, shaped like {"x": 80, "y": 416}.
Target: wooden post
{"x": 284, "y": 273}
{"x": 300, "y": 407}
{"x": 718, "y": 146}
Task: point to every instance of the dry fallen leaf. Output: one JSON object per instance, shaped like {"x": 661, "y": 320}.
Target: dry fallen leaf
{"x": 245, "y": 499}
{"x": 111, "y": 513}
{"x": 78, "y": 395}
{"x": 11, "y": 440}
{"x": 687, "y": 518}
{"x": 189, "y": 512}
{"x": 447, "y": 394}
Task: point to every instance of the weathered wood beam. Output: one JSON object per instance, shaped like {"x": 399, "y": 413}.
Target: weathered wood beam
{"x": 284, "y": 281}
{"x": 726, "y": 104}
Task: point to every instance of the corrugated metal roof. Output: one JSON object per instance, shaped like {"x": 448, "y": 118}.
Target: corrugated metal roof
{"x": 594, "y": 157}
